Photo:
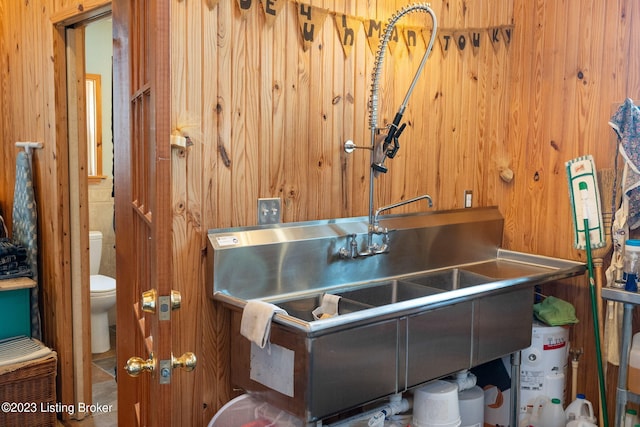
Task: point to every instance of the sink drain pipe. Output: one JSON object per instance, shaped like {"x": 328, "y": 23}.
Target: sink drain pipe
{"x": 396, "y": 405}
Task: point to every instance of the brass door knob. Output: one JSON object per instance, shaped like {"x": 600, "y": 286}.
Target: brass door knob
{"x": 149, "y": 300}
{"x": 176, "y": 300}
{"x": 187, "y": 361}
{"x": 136, "y": 365}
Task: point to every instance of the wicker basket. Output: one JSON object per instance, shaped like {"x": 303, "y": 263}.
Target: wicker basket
{"x": 28, "y": 393}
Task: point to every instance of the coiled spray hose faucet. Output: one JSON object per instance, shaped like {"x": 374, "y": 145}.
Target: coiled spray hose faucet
{"x": 390, "y": 145}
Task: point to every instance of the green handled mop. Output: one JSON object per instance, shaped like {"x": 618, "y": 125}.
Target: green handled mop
{"x": 582, "y": 177}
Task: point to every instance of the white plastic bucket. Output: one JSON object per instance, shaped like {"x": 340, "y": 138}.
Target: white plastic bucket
{"x": 471, "y": 403}
{"x": 436, "y": 405}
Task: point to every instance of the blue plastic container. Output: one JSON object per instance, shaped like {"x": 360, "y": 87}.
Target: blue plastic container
{"x": 14, "y": 313}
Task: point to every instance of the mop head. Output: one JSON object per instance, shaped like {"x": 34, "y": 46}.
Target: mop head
{"x": 585, "y": 202}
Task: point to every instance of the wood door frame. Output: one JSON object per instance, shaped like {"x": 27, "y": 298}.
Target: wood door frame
{"x": 72, "y": 329}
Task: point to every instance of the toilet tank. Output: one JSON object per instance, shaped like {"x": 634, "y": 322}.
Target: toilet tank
{"x": 95, "y": 251}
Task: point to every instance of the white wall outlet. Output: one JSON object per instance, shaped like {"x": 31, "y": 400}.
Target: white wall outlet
{"x": 468, "y": 198}
{"x": 269, "y": 211}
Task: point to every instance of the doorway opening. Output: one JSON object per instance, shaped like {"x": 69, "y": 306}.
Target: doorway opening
{"x": 98, "y": 51}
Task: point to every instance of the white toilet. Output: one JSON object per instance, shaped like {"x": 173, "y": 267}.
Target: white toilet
{"x": 103, "y": 297}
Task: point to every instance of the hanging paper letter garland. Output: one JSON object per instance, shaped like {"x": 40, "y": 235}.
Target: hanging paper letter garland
{"x": 393, "y": 40}
{"x": 475, "y": 39}
{"x": 373, "y": 31}
{"x": 245, "y": 5}
{"x": 211, "y": 3}
{"x": 507, "y": 31}
{"x": 412, "y": 38}
{"x": 310, "y": 19}
{"x": 272, "y": 9}
{"x": 446, "y": 40}
{"x": 348, "y": 27}
{"x": 495, "y": 36}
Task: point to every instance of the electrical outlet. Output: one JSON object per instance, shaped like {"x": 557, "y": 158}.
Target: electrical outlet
{"x": 468, "y": 198}
{"x": 269, "y": 211}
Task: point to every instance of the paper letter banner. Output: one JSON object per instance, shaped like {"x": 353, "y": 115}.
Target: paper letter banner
{"x": 211, "y": 3}
{"x": 495, "y": 35}
{"x": 446, "y": 40}
{"x": 475, "y": 37}
{"x": 413, "y": 38}
{"x": 245, "y": 6}
{"x": 347, "y": 29}
{"x": 393, "y": 40}
{"x": 271, "y": 10}
{"x": 373, "y": 31}
{"x": 507, "y": 31}
{"x": 461, "y": 39}
{"x": 310, "y": 19}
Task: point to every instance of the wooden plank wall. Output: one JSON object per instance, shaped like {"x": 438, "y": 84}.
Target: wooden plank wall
{"x": 268, "y": 120}
{"x": 27, "y": 44}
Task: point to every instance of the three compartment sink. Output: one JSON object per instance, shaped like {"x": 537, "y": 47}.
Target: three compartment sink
{"x": 445, "y": 298}
{"x": 381, "y": 293}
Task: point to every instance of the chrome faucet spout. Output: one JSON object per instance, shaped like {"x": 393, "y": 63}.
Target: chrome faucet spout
{"x": 402, "y": 203}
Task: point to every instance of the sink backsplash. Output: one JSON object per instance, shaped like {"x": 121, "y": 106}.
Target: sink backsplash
{"x": 282, "y": 259}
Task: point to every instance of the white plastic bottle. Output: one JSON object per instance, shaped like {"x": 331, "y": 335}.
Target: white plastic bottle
{"x": 630, "y": 418}
{"x": 580, "y": 409}
{"x": 553, "y": 414}
{"x": 633, "y": 381}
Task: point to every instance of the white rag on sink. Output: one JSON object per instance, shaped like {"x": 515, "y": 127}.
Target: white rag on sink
{"x": 256, "y": 321}
{"x": 328, "y": 307}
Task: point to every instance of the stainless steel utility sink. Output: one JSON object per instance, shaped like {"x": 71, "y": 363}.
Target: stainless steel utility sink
{"x": 445, "y": 298}
{"x": 450, "y": 280}
{"x": 302, "y": 308}
{"x": 387, "y": 292}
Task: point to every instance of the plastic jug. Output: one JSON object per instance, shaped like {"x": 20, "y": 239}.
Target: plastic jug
{"x": 580, "y": 409}
{"x": 545, "y": 413}
{"x": 630, "y": 418}
{"x": 634, "y": 365}
{"x": 533, "y": 419}
{"x": 552, "y": 414}
{"x": 581, "y": 423}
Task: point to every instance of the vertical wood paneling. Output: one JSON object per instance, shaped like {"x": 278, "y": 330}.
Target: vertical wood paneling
{"x": 188, "y": 195}
{"x": 223, "y": 76}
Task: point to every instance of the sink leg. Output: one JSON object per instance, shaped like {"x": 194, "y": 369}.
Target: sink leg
{"x": 514, "y": 411}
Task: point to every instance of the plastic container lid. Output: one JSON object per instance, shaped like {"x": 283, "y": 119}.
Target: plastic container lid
{"x": 632, "y": 412}
{"x": 635, "y": 243}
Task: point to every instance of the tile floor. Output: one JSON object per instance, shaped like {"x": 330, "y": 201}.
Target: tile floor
{"x": 104, "y": 389}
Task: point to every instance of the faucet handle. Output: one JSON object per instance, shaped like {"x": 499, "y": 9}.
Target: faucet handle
{"x": 379, "y": 167}
{"x": 393, "y": 150}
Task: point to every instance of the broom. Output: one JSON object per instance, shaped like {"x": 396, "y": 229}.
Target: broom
{"x": 594, "y": 303}
{"x": 607, "y": 179}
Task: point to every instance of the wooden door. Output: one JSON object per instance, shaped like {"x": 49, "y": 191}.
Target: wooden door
{"x": 143, "y": 221}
